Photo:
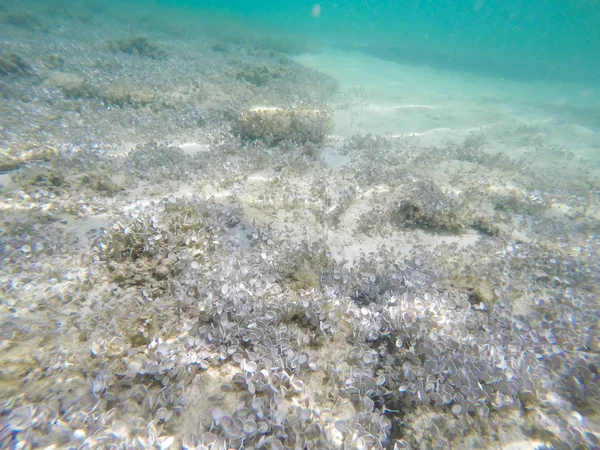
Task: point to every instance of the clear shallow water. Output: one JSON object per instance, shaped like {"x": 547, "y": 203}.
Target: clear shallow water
{"x": 539, "y": 40}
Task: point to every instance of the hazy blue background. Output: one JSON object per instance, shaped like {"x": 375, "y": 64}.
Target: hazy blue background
{"x": 541, "y": 39}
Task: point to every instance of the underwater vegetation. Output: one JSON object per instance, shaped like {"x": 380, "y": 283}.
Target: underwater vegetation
{"x": 371, "y": 346}
{"x": 181, "y": 268}
{"x": 137, "y": 45}
{"x": 13, "y": 64}
{"x": 258, "y": 75}
{"x": 21, "y": 19}
{"x": 274, "y": 125}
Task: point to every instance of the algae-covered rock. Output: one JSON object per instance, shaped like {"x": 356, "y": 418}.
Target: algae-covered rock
{"x": 273, "y": 125}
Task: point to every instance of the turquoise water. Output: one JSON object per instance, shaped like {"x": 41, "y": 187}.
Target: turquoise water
{"x": 540, "y": 40}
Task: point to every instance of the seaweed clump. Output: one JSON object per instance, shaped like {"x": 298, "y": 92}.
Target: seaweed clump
{"x": 519, "y": 202}
{"x": 101, "y": 183}
{"x": 13, "y": 64}
{"x": 138, "y": 45}
{"x": 486, "y": 225}
{"x": 258, "y": 75}
{"x": 21, "y": 19}
{"x": 428, "y": 207}
{"x": 130, "y": 256}
{"x": 145, "y": 251}
{"x": 304, "y": 266}
{"x": 163, "y": 161}
{"x": 40, "y": 179}
{"x": 275, "y": 125}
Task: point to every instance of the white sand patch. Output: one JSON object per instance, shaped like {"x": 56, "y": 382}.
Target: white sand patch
{"x": 192, "y": 148}
{"x": 403, "y": 100}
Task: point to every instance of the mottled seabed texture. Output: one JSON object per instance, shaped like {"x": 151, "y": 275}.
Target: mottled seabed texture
{"x": 292, "y": 226}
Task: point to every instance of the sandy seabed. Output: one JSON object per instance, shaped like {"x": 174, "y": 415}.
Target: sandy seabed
{"x": 424, "y": 275}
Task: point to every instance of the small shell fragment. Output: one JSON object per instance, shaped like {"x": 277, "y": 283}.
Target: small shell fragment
{"x": 217, "y": 415}
{"x": 276, "y": 444}
{"x": 263, "y": 427}
{"x": 341, "y": 426}
{"x": 119, "y": 429}
{"x": 163, "y": 414}
{"x": 250, "y": 367}
{"x": 250, "y": 427}
{"x": 297, "y": 385}
{"x": 79, "y": 435}
{"x": 165, "y": 442}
